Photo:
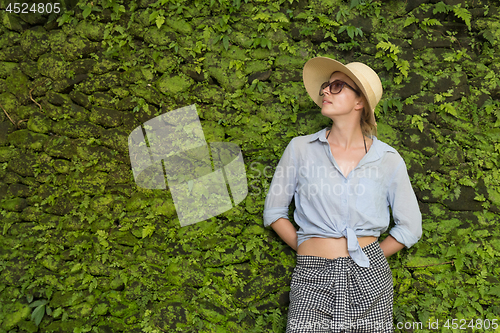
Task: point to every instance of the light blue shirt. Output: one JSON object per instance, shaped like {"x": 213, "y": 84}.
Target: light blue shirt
{"x": 331, "y": 205}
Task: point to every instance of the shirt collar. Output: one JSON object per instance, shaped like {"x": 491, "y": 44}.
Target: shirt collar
{"x": 321, "y": 135}
{"x": 378, "y": 147}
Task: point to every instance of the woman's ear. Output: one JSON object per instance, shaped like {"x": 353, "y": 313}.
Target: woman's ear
{"x": 360, "y": 104}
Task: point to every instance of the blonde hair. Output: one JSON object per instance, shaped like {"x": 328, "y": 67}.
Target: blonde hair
{"x": 368, "y": 125}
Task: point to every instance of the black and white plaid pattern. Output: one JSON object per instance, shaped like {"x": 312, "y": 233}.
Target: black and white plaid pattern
{"x": 337, "y": 295}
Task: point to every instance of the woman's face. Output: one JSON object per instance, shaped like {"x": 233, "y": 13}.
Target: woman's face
{"x": 346, "y": 102}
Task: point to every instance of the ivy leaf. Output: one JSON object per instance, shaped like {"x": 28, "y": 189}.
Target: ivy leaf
{"x": 495, "y": 291}
{"x": 459, "y": 262}
{"x": 350, "y": 31}
{"x": 153, "y": 15}
{"x": 86, "y": 11}
{"x": 225, "y": 42}
{"x": 37, "y": 314}
{"x": 119, "y": 8}
{"x": 63, "y": 19}
{"x": 57, "y": 312}
{"x": 120, "y": 29}
{"x": 459, "y": 301}
{"x": 263, "y": 42}
{"x": 355, "y": 3}
{"x": 416, "y": 119}
{"x": 478, "y": 307}
{"x": 156, "y": 55}
{"x": 160, "y": 19}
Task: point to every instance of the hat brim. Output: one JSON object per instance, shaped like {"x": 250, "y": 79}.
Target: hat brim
{"x": 318, "y": 70}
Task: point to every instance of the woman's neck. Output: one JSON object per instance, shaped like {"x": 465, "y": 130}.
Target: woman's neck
{"x": 345, "y": 136}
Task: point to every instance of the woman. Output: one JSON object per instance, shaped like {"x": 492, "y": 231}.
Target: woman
{"x": 343, "y": 180}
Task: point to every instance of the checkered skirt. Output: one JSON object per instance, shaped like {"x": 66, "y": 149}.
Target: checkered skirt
{"x": 337, "y": 295}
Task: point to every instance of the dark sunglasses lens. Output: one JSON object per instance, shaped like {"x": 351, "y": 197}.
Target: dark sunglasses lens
{"x": 336, "y": 87}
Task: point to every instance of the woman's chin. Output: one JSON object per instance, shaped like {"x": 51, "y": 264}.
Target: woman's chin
{"x": 326, "y": 111}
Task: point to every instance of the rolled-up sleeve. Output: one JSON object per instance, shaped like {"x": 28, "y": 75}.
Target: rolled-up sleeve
{"x": 282, "y": 187}
{"x": 405, "y": 210}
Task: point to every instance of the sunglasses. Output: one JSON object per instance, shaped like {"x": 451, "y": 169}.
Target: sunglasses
{"x": 336, "y": 87}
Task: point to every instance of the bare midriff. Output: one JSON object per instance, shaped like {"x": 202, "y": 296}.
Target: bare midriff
{"x": 330, "y": 248}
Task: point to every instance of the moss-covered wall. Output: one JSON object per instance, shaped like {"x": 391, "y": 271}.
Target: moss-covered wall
{"x": 92, "y": 252}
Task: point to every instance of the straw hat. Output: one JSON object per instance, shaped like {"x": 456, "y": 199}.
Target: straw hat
{"x": 318, "y": 70}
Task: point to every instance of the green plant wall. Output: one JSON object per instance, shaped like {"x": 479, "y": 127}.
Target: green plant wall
{"x": 83, "y": 249}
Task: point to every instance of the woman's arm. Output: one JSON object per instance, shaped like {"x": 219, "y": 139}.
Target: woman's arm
{"x": 285, "y": 229}
{"x": 407, "y": 228}
{"x": 279, "y": 196}
{"x": 390, "y": 246}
